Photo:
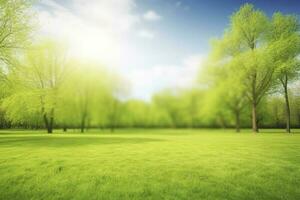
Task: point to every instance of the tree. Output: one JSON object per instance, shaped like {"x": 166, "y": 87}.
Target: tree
{"x": 285, "y": 47}
{"x": 168, "y": 101}
{"x": 226, "y": 93}
{"x": 118, "y": 91}
{"x": 244, "y": 44}
{"x": 192, "y": 99}
{"x": 295, "y": 103}
{"x": 275, "y": 111}
{"x": 15, "y": 29}
{"x": 83, "y": 94}
{"x": 37, "y": 78}
{"x": 137, "y": 112}
{"x": 84, "y": 87}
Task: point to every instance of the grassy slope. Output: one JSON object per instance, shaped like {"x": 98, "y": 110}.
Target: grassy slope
{"x": 166, "y": 164}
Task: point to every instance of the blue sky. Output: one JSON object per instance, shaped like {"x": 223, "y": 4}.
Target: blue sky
{"x": 153, "y": 44}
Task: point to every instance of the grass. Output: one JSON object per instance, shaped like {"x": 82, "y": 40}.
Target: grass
{"x": 149, "y": 164}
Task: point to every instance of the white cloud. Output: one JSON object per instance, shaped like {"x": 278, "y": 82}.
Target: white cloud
{"x": 146, "y": 34}
{"x": 52, "y": 4}
{"x": 109, "y": 31}
{"x": 94, "y": 29}
{"x": 151, "y": 15}
{"x": 146, "y": 81}
{"x": 113, "y": 14}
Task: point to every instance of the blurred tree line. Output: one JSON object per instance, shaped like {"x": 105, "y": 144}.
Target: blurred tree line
{"x": 249, "y": 80}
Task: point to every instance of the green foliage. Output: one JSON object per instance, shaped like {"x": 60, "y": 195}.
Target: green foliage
{"x": 35, "y": 81}
{"x": 285, "y": 45}
{"x": 247, "y": 61}
{"x": 15, "y": 27}
{"x": 248, "y": 27}
{"x": 179, "y": 108}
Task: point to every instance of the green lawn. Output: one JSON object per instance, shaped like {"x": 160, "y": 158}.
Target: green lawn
{"x": 149, "y": 164}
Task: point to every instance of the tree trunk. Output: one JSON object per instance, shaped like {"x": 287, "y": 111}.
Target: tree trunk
{"x": 254, "y": 103}
{"x": 46, "y": 123}
{"x": 50, "y": 127}
{"x": 254, "y": 118}
{"x": 237, "y": 121}
{"x": 82, "y": 125}
{"x": 65, "y": 129}
{"x": 298, "y": 120}
{"x": 287, "y": 105}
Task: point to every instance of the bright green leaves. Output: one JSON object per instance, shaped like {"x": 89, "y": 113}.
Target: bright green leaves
{"x": 16, "y": 26}
{"x": 248, "y": 27}
{"x": 252, "y": 54}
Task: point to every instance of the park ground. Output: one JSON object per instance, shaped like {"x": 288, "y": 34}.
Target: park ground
{"x": 150, "y": 164}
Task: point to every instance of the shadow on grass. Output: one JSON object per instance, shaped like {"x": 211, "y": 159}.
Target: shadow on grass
{"x": 9, "y": 133}
{"x": 48, "y": 141}
{"x": 282, "y": 131}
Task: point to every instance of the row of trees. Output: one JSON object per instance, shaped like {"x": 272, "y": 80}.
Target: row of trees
{"x": 256, "y": 56}
{"x": 41, "y": 86}
{"x": 246, "y": 81}
{"x": 45, "y": 88}
{"x": 79, "y": 104}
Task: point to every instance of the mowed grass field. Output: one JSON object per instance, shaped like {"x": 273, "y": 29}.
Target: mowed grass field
{"x": 149, "y": 164}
